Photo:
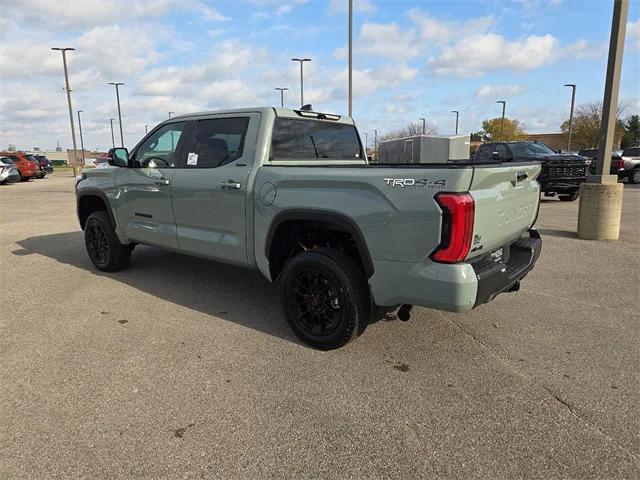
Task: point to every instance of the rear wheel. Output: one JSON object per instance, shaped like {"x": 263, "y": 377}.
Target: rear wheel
{"x": 24, "y": 179}
{"x": 103, "y": 246}
{"x": 634, "y": 176}
{"x": 325, "y": 298}
{"x": 569, "y": 197}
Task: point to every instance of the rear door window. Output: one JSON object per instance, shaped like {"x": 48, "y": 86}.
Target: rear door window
{"x": 314, "y": 140}
{"x": 216, "y": 142}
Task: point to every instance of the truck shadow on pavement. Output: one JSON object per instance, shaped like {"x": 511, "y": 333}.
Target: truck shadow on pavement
{"x": 234, "y": 294}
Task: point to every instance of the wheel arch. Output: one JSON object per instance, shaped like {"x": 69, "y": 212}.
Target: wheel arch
{"x": 92, "y": 200}
{"x": 338, "y": 220}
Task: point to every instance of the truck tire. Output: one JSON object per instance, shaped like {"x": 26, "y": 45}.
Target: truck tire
{"x": 634, "y": 176}
{"x": 325, "y": 298}
{"x": 103, "y": 246}
{"x": 570, "y": 197}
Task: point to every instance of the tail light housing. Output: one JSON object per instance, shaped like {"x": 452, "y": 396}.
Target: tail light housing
{"x": 619, "y": 163}
{"x": 458, "y": 210}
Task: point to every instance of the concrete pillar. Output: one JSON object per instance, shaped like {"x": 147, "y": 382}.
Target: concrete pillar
{"x": 600, "y": 211}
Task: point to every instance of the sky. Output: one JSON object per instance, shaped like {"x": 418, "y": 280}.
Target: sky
{"x": 412, "y": 58}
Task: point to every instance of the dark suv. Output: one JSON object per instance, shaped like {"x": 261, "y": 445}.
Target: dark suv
{"x": 561, "y": 174}
{"x": 45, "y": 163}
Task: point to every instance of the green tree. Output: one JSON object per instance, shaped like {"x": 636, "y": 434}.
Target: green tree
{"x": 586, "y": 126}
{"x": 631, "y": 135}
{"x": 491, "y": 129}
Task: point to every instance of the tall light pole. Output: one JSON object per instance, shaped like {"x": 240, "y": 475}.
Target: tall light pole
{"x": 146, "y": 129}
{"x": 457, "y": 116}
{"x": 351, "y": 58}
{"x": 504, "y": 105}
{"x": 375, "y": 142}
{"x": 366, "y": 141}
{"x": 282, "y": 90}
{"x": 171, "y": 113}
{"x": 424, "y": 125}
{"x": 68, "y": 89}
{"x": 117, "y": 84}
{"x": 81, "y": 140}
{"x": 301, "y": 60}
{"x": 573, "y": 102}
{"x": 113, "y": 140}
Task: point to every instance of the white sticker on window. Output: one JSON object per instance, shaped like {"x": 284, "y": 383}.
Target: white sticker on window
{"x": 192, "y": 158}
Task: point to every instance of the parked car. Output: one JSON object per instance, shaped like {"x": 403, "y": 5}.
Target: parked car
{"x": 8, "y": 171}
{"x": 631, "y": 164}
{"x": 101, "y": 162}
{"x": 592, "y": 154}
{"x": 290, "y": 193}
{"x": 28, "y": 168}
{"x": 44, "y": 163}
{"x": 561, "y": 174}
{"x": 40, "y": 172}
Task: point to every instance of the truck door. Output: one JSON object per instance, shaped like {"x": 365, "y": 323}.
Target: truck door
{"x": 144, "y": 189}
{"x": 209, "y": 190}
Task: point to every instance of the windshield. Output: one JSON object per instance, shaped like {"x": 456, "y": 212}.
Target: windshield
{"x": 530, "y": 149}
{"x": 314, "y": 140}
{"x": 31, "y": 158}
{"x": 6, "y": 161}
{"x": 631, "y": 152}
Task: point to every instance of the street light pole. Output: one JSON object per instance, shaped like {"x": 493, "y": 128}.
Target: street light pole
{"x": 113, "y": 140}
{"x": 170, "y": 113}
{"x": 146, "y": 129}
{"x": 351, "y": 58}
{"x": 117, "y": 84}
{"x": 81, "y": 140}
{"x": 573, "y": 102}
{"x": 301, "y": 60}
{"x": 68, "y": 89}
{"x": 504, "y": 105}
{"x": 366, "y": 141}
{"x": 424, "y": 125}
{"x": 375, "y": 142}
{"x": 457, "y": 116}
{"x": 282, "y": 90}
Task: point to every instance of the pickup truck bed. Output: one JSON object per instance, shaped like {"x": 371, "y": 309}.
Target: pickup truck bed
{"x": 294, "y": 198}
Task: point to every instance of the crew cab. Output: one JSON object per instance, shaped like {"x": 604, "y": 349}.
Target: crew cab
{"x": 290, "y": 193}
{"x": 561, "y": 174}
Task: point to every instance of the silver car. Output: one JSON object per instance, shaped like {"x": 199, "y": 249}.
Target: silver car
{"x": 8, "y": 171}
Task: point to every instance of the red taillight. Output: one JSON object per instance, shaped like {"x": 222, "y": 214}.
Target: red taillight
{"x": 619, "y": 164}
{"x": 457, "y": 227}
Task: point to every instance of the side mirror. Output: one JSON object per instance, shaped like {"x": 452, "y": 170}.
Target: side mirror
{"x": 118, "y": 157}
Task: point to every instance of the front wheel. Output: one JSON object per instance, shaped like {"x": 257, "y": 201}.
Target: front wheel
{"x": 325, "y": 298}
{"x": 569, "y": 197}
{"x": 634, "y": 176}
{"x": 103, "y": 246}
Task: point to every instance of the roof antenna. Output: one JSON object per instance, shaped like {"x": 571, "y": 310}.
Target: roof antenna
{"x": 307, "y": 108}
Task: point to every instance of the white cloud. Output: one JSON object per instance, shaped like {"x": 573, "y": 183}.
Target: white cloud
{"x": 279, "y": 6}
{"x": 633, "y": 34}
{"x": 494, "y": 92}
{"x": 359, "y": 6}
{"x": 432, "y": 29}
{"x": 388, "y": 40}
{"x": 479, "y": 54}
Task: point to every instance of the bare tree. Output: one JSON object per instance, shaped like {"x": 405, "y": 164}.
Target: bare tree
{"x": 409, "y": 131}
{"x": 586, "y": 124}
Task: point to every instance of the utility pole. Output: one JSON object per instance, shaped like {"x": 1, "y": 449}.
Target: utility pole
{"x": 424, "y": 125}
{"x": 351, "y": 58}
{"x": 504, "y": 105}
{"x": 81, "y": 140}
{"x": 113, "y": 140}
{"x": 301, "y": 60}
{"x": 573, "y": 102}
{"x": 601, "y": 196}
{"x": 117, "y": 84}
{"x": 68, "y": 89}
{"x": 282, "y": 90}
{"x": 457, "y": 115}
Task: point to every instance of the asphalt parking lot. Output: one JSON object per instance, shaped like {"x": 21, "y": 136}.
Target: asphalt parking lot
{"x": 184, "y": 368}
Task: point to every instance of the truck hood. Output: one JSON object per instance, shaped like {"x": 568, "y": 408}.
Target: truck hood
{"x": 556, "y": 157}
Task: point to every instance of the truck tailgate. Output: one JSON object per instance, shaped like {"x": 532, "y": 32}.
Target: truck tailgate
{"x": 506, "y": 203}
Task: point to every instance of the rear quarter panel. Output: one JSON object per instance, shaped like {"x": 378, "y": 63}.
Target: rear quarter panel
{"x": 399, "y": 223}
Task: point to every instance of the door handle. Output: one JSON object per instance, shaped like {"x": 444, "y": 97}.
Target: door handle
{"x": 230, "y": 185}
{"x": 521, "y": 176}
{"x": 162, "y": 181}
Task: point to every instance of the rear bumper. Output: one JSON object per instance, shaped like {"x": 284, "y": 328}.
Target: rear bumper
{"x": 456, "y": 287}
{"x": 561, "y": 185}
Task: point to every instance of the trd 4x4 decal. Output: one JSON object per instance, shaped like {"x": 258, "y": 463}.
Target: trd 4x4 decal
{"x": 412, "y": 182}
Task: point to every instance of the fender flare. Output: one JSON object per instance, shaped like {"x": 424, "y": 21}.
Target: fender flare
{"x": 94, "y": 192}
{"x": 344, "y": 222}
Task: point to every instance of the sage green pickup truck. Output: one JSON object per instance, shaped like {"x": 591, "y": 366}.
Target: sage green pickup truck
{"x": 291, "y": 193}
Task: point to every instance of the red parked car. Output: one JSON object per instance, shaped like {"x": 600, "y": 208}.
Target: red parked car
{"x": 27, "y": 167}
